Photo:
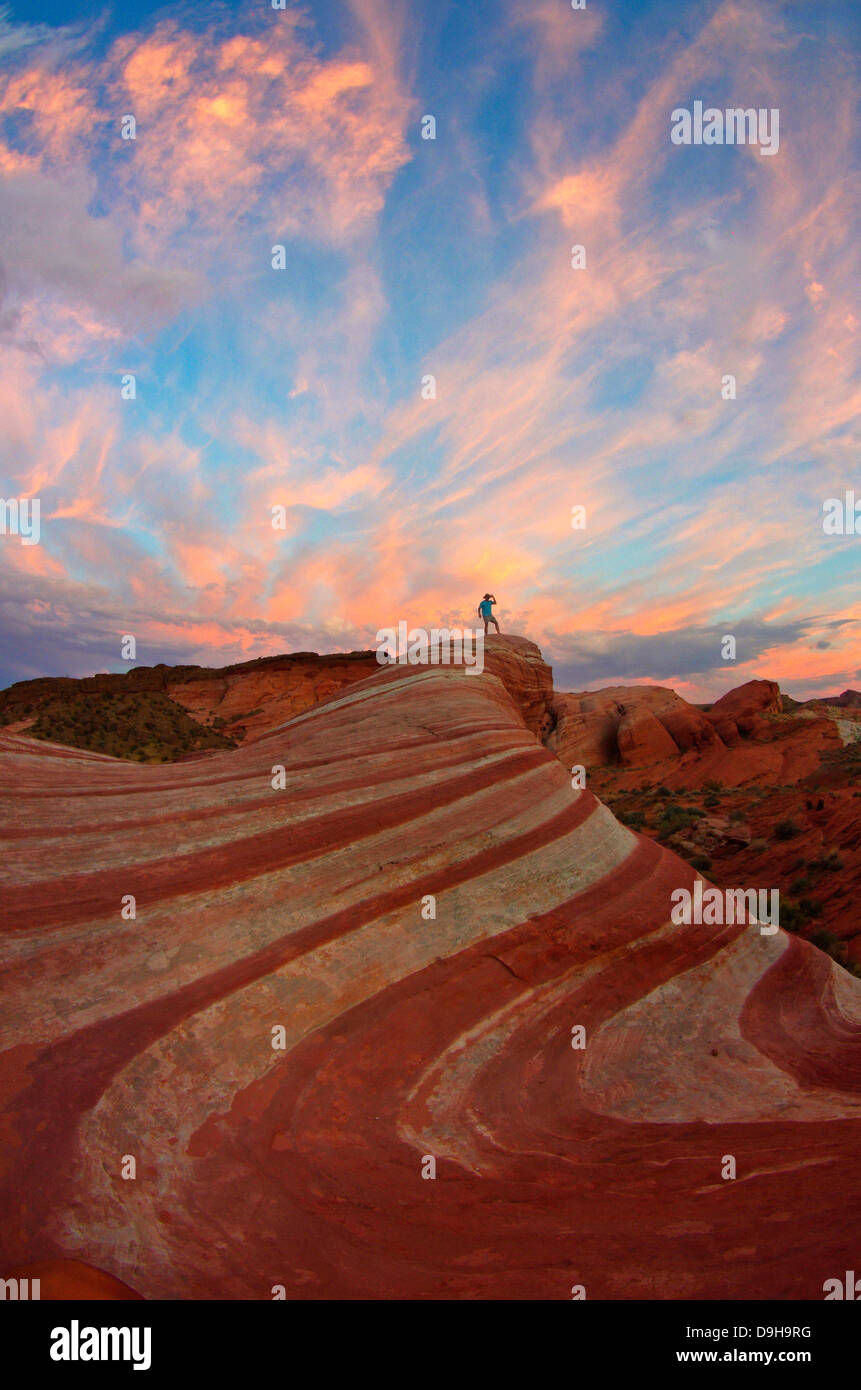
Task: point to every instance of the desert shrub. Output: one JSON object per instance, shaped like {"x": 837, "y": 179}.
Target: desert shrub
{"x": 711, "y": 799}
{"x": 713, "y": 784}
{"x": 141, "y": 726}
{"x": 735, "y": 816}
{"x": 828, "y": 862}
{"x": 786, "y": 830}
{"x": 673, "y": 817}
{"x": 700, "y": 862}
{"x": 791, "y": 916}
{"x": 811, "y": 907}
{"x": 800, "y": 885}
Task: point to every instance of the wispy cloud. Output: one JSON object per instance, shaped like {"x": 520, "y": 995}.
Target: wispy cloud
{"x": 451, "y": 258}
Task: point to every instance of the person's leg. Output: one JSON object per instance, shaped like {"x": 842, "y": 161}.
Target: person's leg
{"x": 495, "y": 623}
{"x": 485, "y": 627}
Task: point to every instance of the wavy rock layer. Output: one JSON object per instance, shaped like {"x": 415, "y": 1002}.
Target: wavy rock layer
{"x": 426, "y": 910}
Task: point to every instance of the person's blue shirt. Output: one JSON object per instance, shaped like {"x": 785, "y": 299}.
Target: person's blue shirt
{"x": 485, "y": 608}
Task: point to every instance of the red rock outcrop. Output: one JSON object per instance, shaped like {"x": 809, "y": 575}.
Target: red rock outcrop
{"x": 741, "y": 711}
{"x": 330, "y": 982}
{"x": 641, "y": 738}
{"x": 244, "y": 699}
{"x": 734, "y": 742}
{"x": 525, "y": 674}
{"x": 257, "y": 696}
{"x": 632, "y": 725}
{"x": 850, "y": 699}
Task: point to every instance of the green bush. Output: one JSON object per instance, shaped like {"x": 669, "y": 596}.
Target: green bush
{"x": 143, "y": 726}
{"x": 829, "y": 862}
{"x": 786, "y": 830}
{"x": 791, "y": 916}
{"x": 673, "y": 817}
{"x": 811, "y": 907}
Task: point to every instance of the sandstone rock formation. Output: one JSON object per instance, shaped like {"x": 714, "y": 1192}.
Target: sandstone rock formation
{"x": 243, "y": 700}
{"x": 740, "y": 711}
{"x": 633, "y": 725}
{"x": 850, "y": 699}
{"x": 326, "y": 985}
{"x": 653, "y": 731}
{"x": 255, "y": 696}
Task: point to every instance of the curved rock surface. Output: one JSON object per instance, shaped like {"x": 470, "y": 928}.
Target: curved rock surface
{"x": 652, "y": 729}
{"x": 417, "y": 919}
{"x": 633, "y": 725}
{"x": 740, "y": 711}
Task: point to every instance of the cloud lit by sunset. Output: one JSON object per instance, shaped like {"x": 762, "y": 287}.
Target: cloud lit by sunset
{"x": 451, "y": 257}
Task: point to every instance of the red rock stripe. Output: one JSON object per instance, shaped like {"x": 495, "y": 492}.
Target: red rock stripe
{"x": 364, "y": 779}
{"x": 69, "y": 1076}
{"x": 80, "y": 897}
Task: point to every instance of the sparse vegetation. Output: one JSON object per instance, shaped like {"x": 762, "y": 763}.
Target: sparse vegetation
{"x": 836, "y": 949}
{"x": 786, "y": 830}
{"x": 144, "y": 726}
{"x": 792, "y": 915}
{"x": 830, "y": 862}
{"x": 673, "y": 818}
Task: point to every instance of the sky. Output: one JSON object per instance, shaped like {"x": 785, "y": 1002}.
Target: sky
{"x": 301, "y": 395}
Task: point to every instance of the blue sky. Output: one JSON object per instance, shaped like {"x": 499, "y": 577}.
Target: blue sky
{"x": 302, "y": 387}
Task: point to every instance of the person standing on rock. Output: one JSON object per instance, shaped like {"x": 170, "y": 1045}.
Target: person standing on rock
{"x": 485, "y": 611}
